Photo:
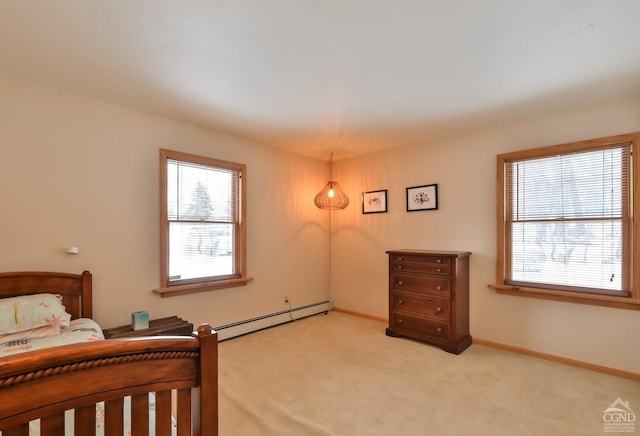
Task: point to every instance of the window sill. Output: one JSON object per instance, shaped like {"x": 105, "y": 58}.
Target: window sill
{"x": 569, "y": 297}
{"x": 174, "y": 291}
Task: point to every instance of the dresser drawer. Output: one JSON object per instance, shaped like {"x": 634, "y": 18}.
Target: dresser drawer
{"x": 418, "y": 326}
{"x": 439, "y": 265}
{"x": 432, "y": 307}
{"x": 435, "y": 286}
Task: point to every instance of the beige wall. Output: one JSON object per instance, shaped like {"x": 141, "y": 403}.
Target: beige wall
{"x": 464, "y": 167}
{"x": 76, "y": 171}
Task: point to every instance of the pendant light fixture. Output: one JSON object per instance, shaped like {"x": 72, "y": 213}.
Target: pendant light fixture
{"x": 331, "y": 197}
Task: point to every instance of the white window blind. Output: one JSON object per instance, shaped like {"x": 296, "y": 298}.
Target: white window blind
{"x": 567, "y": 220}
{"x": 203, "y": 215}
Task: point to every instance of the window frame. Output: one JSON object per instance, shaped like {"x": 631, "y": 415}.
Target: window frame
{"x": 501, "y": 285}
{"x": 240, "y": 277}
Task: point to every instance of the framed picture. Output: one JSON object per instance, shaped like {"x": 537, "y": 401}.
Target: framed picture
{"x": 422, "y": 198}
{"x": 374, "y": 201}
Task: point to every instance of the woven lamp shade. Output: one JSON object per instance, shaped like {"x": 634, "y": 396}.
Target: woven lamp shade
{"x": 331, "y": 197}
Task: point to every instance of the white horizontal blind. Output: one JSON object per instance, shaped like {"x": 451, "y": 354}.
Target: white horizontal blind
{"x": 203, "y": 214}
{"x": 567, "y": 220}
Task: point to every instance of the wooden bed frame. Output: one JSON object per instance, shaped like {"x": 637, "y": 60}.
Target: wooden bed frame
{"x": 182, "y": 371}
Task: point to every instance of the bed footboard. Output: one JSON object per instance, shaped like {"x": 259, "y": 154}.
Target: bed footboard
{"x": 44, "y": 384}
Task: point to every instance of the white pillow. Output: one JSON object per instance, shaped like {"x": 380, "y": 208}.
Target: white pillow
{"x": 30, "y": 311}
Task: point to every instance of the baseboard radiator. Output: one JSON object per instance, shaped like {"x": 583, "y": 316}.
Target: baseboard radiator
{"x": 239, "y": 328}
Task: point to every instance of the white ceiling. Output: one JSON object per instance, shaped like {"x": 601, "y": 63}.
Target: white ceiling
{"x": 322, "y": 76}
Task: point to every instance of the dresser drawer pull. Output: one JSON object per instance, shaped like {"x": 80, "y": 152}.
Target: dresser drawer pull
{"x": 439, "y": 270}
{"x": 400, "y": 283}
{"x": 438, "y": 309}
{"x": 439, "y": 261}
{"x": 400, "y": 259}
{"x": 399, "y": 266}
{"x": 400, "y": 321}
{"x": 400, "y": 301}
{"x": 439, "y": 329}
{"x": 439, "y": 288}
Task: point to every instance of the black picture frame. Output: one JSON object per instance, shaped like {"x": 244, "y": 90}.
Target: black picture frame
{"x": 374, "y": 201}
{"x": 423, "y": 197}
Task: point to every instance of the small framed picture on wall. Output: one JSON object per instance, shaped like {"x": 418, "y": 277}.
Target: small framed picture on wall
{"x": 374, "y": 201}
{"x": 422, "y": 198}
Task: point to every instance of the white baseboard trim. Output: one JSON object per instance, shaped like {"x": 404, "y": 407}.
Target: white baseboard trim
{"x": 240, "y": 328}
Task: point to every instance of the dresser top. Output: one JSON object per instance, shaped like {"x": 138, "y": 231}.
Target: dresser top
{"x": 431, "y": 252}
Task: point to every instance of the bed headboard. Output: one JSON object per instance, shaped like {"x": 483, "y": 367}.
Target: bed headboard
{"x": 76, "y": 289}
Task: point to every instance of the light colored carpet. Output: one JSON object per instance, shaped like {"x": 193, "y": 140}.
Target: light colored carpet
{"x": 338, "y": 374}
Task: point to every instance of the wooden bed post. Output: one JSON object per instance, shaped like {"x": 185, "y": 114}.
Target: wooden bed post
{"x": 87, "y": 295}
{"x": 208, "y": 368}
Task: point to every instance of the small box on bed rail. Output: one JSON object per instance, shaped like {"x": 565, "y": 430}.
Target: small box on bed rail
{"x": 140, "y": 320}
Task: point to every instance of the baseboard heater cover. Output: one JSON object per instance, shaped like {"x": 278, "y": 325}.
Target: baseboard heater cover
{"x": 240, "y": 328}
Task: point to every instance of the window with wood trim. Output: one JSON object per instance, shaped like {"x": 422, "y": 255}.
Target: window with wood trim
{"x": 202, "y": 223}
{"x": 565, "y": 222}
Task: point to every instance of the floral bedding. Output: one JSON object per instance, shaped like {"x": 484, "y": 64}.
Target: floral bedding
{"x": 78, "y": 330}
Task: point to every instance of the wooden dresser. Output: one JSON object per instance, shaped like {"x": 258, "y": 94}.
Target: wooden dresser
{"x": 429, "y": 297}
